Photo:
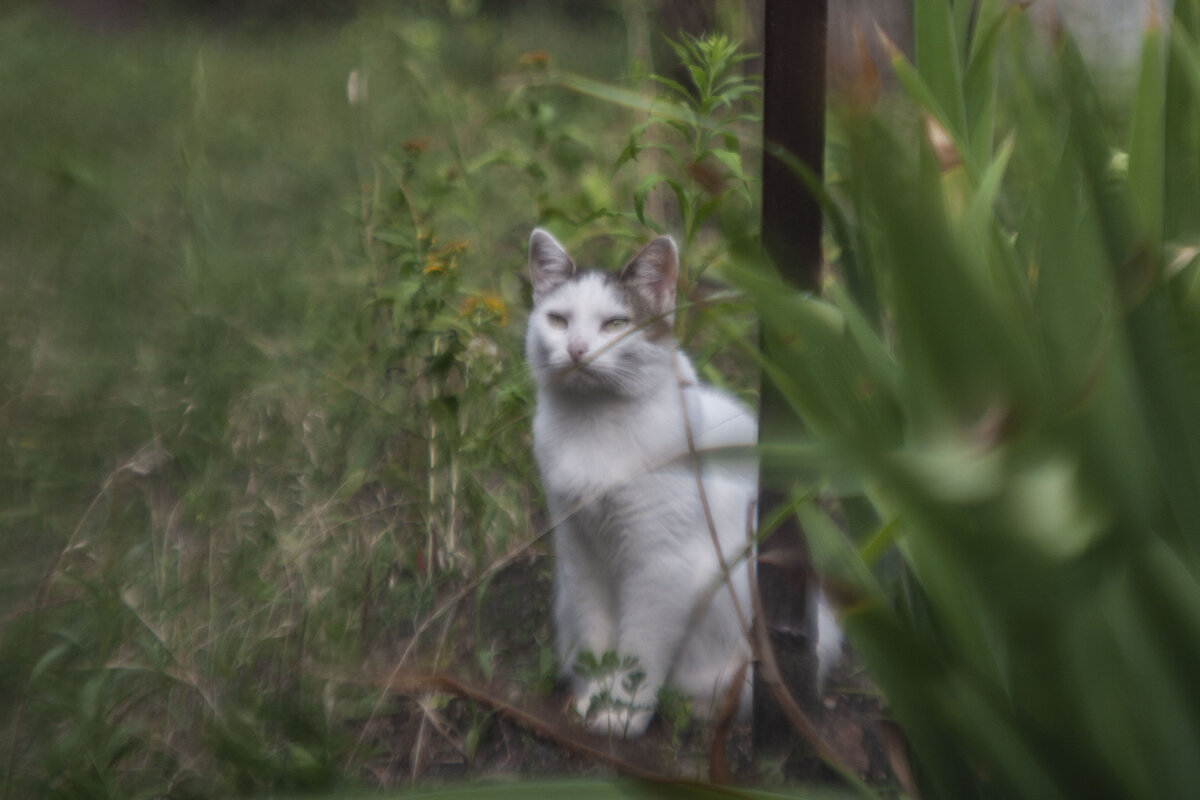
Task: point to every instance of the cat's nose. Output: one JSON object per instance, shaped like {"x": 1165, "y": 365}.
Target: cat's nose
{"x": 576, "y": 349}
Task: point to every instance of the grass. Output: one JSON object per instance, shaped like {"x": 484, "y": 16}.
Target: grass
{"x": 261, "y": 386}
{"x": 138, "y": 208}
{"x": 264, "y": 406}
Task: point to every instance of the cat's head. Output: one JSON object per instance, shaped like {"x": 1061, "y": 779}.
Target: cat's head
{"x": 598, "y": 333}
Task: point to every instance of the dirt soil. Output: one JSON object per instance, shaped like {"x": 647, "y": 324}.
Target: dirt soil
{"x": 463, "y": 725}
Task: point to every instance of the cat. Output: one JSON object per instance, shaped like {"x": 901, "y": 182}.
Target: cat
{"x": 636, "y": 570}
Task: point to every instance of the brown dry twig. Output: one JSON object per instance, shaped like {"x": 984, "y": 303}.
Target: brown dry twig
{"x": 718, "y": 761}
{"x": 760, "y": 644}
{"x": 414, "y": 683}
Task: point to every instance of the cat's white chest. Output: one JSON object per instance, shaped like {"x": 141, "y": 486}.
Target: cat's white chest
{"x": 582, "y": 454}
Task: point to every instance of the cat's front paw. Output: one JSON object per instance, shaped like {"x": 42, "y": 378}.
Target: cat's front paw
{"x": 606, "y": 715}
{"x": 590, "y": 700}
{"x": 624, "y": 723}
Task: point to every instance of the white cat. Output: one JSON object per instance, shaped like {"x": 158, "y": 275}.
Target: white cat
{"x": 637, "y": 571}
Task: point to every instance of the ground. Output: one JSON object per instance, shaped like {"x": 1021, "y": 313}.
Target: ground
{"x": 444, "y": 730}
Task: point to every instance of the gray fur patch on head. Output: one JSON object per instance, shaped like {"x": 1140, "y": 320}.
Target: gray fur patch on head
{"x": 648, "y": 281}
{"x": 595, "y": 334}
{"x": 646, "y": 285}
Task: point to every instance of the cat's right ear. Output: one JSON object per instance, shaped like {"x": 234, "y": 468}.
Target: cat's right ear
{"x": 549, "y": 264}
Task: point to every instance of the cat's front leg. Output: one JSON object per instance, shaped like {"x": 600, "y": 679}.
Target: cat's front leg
{"x": 585, "y": 617}
{"x": 656, "y": 603}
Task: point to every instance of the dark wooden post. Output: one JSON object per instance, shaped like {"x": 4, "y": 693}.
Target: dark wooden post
{"x": 794, "y": 45}
{"x": 793, "y": 118}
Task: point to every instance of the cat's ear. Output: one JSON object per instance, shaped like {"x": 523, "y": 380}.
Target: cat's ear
{"x": 549, "y": 264}
{"x": 652, "y": 274}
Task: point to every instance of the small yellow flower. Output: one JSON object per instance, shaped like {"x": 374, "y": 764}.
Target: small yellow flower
{"x": 445, "y": 257}
{"x": 487, "y": 303}
{"x": 535, "y": 58}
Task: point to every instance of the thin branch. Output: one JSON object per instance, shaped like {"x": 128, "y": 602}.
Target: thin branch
{"x": 718, "y": 762}
{"x": 759, "y": 642}
{"x": 698, "y": 473}
{"x": 409, "y": 683}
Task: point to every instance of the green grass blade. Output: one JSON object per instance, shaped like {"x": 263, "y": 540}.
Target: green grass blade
{"x": 836, "y": 559}
{"x": 1109, "y": 194}
{"x": 925, "y": 97}
{"x": 978, "y": 221}
{"x": 1146, "y": 145}
{"x": 944, "y": 709}
{"x": 1166, "y": 398}
{"x": 627, "y": 98}
{"x": 1181, "y": 211}
{"x": 938, "y": 60}
{"x": 965, "y": 14}
{"x": 882, "y": 363}
{"x": 859, "y": 279}
{"x": 959, "y": 349}
{"x": 979, "y": 79}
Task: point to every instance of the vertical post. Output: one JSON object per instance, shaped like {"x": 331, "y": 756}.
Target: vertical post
{"x": 793, "y": 118}
{"x": 794, "y": 45}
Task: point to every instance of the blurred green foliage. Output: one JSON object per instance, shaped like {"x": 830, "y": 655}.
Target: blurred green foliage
{"x": 1003, "y": 401}
{"x": 262, "y": 395}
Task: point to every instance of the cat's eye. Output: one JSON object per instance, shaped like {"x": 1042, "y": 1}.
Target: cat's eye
{"x": 615, "y": 324}
{"x": 557, "y": 320}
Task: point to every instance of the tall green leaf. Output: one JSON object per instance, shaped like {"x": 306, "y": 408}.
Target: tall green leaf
{"x": 1037, "y": 481}
{"x": 1182, "y": 127}
{"x": 1147, "y": 156}
{"x": 939, "y": 60}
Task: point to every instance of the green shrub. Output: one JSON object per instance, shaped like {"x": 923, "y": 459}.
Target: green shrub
{"x": 1013, "y": 437}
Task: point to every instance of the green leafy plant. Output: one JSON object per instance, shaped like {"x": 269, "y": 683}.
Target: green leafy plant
{"x": 692, "y": 155}
{"x": 674, "y": 708}
{"x": 611, "y": 671}
{"x": 1008, "y": 428}
{"x": 692, "y": 140}
{"x": 706, "y": 118}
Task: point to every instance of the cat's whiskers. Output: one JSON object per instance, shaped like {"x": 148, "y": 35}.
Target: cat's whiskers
{"x": 589, "y": 359}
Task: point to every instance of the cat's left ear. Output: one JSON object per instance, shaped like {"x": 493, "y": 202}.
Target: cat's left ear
{"x": 653, "y": 272}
